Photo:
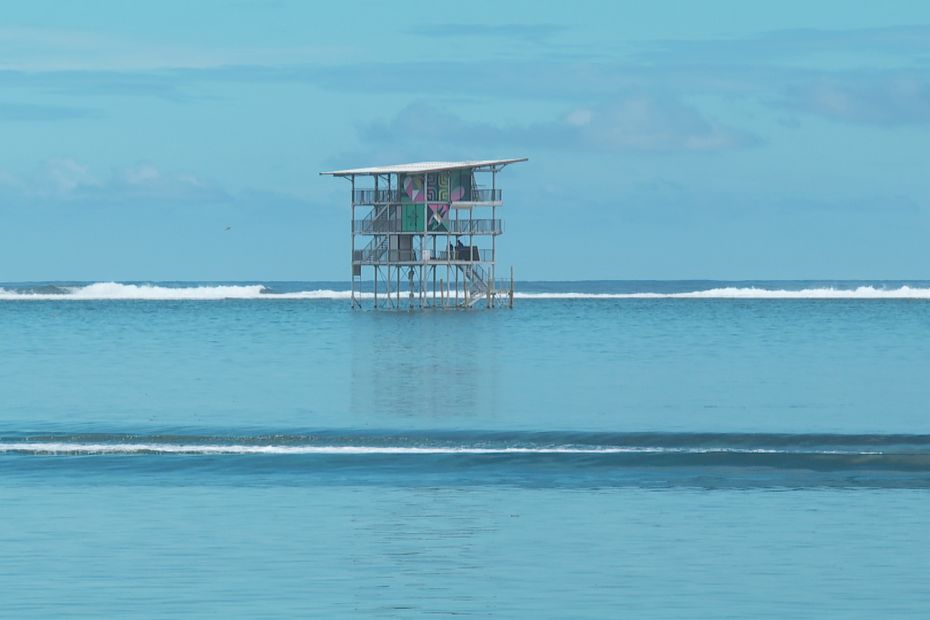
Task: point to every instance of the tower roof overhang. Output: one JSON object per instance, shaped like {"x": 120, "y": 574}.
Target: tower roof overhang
{"x": 425, "y": 167}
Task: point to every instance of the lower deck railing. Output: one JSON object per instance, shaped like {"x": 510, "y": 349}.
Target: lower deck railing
{"x": 452, "y": 227}
{"x": 455, "y": 255}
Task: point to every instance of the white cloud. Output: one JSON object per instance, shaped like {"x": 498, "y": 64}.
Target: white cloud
{"x": 641, "y": 122}
{"x": 64, "y": 176}
{"x": 8, "y": 179}
{"x": 144, "y": 173}
{"x": 878, "y": 98}
{"x": 579, "y": 117}
{"x": 53, "y": 49}
{"x": 68, "y": 181}
{"x": 653, "y": 123}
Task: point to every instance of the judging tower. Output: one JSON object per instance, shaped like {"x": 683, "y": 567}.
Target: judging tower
{"x": 425, "y": 235}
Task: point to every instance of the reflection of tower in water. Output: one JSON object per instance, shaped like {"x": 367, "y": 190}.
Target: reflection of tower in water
{"x": 431, "y": 366}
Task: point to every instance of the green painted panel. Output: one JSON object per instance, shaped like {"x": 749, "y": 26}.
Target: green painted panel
{"x": 459, "y": 185}
{"x": 414, "y": 218}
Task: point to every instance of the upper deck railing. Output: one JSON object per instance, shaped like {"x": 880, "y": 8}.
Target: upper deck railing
{"x": 393, "y": 196}
{"x": 485, "y": 195}
{"x": 375, "y": 196}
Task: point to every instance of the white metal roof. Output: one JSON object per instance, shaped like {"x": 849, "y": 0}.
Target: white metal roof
{"x": 425, "y": 166}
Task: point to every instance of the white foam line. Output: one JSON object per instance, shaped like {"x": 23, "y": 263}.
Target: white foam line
{"x": 245, "y": 449}
{"x": 129, "y": 448}
{"x": 862, "y": 292}
{"x": 102, "y": 291}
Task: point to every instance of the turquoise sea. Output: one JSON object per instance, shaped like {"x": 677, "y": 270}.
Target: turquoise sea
{"x": 604, "y": 449}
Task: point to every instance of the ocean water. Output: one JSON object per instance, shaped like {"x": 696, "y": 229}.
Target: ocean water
{"x": 604, "y": 449}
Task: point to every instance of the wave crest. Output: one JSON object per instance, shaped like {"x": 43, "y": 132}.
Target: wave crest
{"x": 103, "y": 291}
{"x": 752, "y": 292}
{"x": 565, "y": 459}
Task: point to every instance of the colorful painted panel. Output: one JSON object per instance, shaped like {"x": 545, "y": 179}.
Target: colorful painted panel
{"x": 437, "y": 217}
{"x": 411, "y": 188}
{"x": 459, "y": 185}
{"x": 437, "y": 187}
{"x": 443, "y": 187}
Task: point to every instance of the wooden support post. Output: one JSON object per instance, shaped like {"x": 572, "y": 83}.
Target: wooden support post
{"x": 511, "y": 286}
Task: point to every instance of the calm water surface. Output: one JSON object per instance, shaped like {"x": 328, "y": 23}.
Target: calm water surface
{"x": 570, "y": 458}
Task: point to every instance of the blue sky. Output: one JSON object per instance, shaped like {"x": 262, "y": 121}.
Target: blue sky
{"x": 728, "y": 140}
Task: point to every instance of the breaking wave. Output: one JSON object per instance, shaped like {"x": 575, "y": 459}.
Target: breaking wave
{"x": 471, "y": 443}
{"x": 474, "y": 457}
{"x": 101, "y": 291}
{"x": 75, "y": 448}
{"x": 732, "y": 292}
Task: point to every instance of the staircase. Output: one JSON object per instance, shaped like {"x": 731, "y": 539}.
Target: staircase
{"x": 476, "y": 281}
{"x": 374, "y": 251}
{"x": 377, "y": 221}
